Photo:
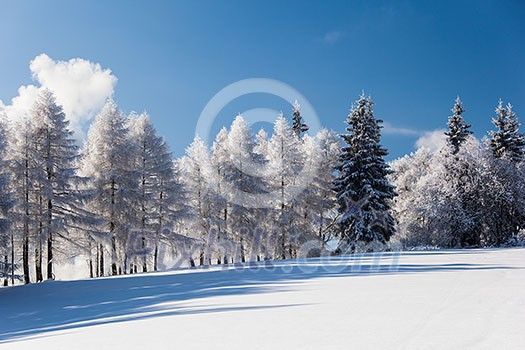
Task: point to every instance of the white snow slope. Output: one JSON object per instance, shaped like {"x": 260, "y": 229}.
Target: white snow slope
{"x": 455, "y": 299}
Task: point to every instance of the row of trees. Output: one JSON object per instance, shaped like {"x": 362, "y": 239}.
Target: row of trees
{"x": 125, "y": 205}
{"x": 57, "y": 202}
{"x": 260, "y": 197}
{"x": 470, "y": 192}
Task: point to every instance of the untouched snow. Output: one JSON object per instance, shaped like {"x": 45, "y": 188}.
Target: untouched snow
{"x": 456, "y": 299}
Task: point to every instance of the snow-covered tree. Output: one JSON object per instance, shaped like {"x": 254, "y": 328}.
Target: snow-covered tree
{"x": 23, "y": 165}
{"x": 414, "y": 177}
{"x": 298, "y": 126}
{"x": 7, "y": 237}
{"x": 245, "y": 184}
{"x": 501, "y": 197}
{"x": 261, "y": 144}
{"x": 458, "y": 131}
{"x": 316, "y": 203}
{"x": 461, "y": 177}
{"x": 432, "y": 208}
{"x": 221, "y": 207}
{"x": 196, "y": 174}
{"x": 160, "y": 197}
{"x": 286, "y": 159}
{"x": 506, "y": 141}
{"x": 108, "y": 160}
{"x": 364, "y": 193}
{"x": 60, "y": 202}
{"x": 503, "y": 182}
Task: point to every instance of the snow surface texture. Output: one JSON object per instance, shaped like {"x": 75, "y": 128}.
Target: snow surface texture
{"x": 455, "y": 299}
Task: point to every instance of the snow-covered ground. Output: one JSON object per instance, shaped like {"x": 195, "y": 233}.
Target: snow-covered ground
{"x": 456, "y": 299}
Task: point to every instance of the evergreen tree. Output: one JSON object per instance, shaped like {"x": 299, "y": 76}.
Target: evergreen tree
{"x": 460, "y": 176}
{"x": 364, "y": 193}
{"x": 458, "y": 129}
{"x": 298, "y": 126}
{"x": 506, "y": 141}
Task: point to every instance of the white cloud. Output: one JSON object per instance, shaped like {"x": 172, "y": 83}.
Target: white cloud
{"x": 389, "y": 129}
{"x": 332, "y": 37}
{"x": 80, "y": 86}
{"x": 433, "y": 140}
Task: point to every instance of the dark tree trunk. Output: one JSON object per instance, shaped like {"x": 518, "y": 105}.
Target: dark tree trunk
{"x": 38, "y": 262}
{"x": 114, "y": 253}
{"x": 91, "y": 268}
{"x": 101, "y": 265}
{"x": 243, "y": 257}
{"x": 144, "y": 258}
{"x": 155, "y": 257}
{"x": 6, "y": 270}
{"x": 50, "y": 275}
{"x": 25, "y": 260}
{"x": 12, "y": 259}
{"x": 50, "y": 257}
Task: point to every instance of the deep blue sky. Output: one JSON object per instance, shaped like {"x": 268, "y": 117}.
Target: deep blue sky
{"x": 171, "y": 57}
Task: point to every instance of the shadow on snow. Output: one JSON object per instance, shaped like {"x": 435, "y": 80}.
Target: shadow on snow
{"x": 35, "y": 310}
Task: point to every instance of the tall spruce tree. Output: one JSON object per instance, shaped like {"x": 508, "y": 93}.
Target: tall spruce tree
{"x": 461, "y": 173}
{"x": 458, "y": 129}
{"x": 298, "y": 126}
{"x": 506, "y": 141}
{"x": 364, "y": 193}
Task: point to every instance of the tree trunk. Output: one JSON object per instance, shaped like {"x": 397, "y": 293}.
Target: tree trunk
{"x": 243, "y": 258}
{"x": 112, "y": 230}
{"x": 12, "y": 258}
{"x": 114, "y": 254}
{"x": 38, "y": 262}
{"x": 25, "y": 260}
{"x": 101, "y": 266}
{"x": 6, "y": 270}
{"x": 155, "y": 257}
{"x": 144, "y": 258}
{"x": 50, "y": 275}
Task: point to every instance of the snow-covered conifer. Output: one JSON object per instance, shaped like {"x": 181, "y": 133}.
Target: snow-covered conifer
{"x": 364, "y": 193}
{"x": 458, "y": 130}
{"x": 298, "y": 126}
{"x": 506, "y": 140}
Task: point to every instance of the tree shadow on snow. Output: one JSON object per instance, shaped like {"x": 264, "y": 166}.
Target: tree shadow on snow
{"x": 35, "y": 310}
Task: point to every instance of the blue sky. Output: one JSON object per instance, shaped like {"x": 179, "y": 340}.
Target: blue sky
{"x": 172, "y": 57}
